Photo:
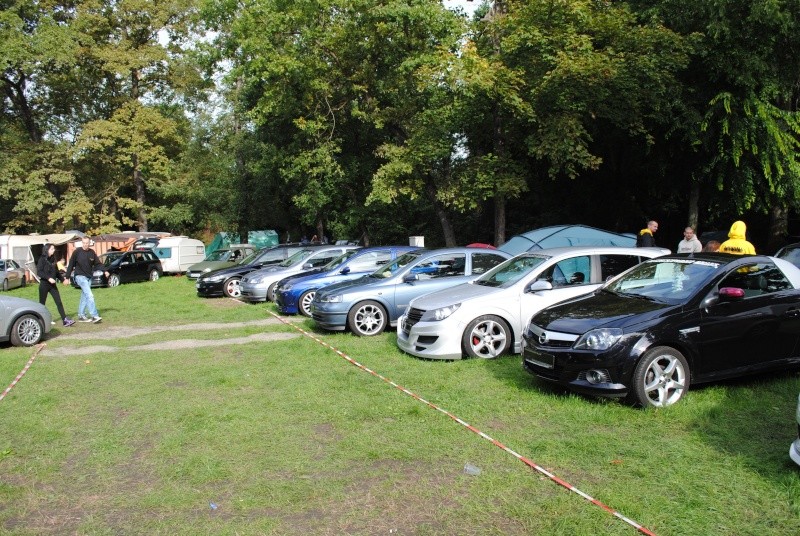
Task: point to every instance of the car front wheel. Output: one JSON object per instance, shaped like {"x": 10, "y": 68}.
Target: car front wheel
{"x": 113, "y": 280}
{"x": 304, "y": 303}
{"x": 367, "y": 318}
{"x": 27, "y": 331}
{"x": 487, "y": 337}
{"x": 154, "y": 275}
{"x": 661, "y": 378}
{"x": 232, "y": 288}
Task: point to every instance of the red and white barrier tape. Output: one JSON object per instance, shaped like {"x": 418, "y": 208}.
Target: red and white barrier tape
{"x": 468, "y": 426}
{"x": 39, "y": 348}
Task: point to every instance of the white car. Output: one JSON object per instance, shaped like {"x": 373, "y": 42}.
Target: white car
{"x": 486, "y": 317}
{"x": 794, "y": 449}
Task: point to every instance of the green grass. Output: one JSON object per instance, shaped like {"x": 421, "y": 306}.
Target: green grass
{"x": 286, "y": 437}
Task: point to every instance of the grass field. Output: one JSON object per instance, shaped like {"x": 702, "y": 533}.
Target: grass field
{"x": 180, "y": 415}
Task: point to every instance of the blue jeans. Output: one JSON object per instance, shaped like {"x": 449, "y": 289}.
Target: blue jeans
{"x": 87, "y": 298}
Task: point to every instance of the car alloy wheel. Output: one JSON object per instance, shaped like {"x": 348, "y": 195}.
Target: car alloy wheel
{"x": 113, "y": 280}
{"x": 154, "y": 275}
{"x": 271, "y": 292}
{"x": 27, "y": 331}
{"x": 367, "y": 318}
{"x": 661, "y": 378}
{"x": 304, "y": 303}
{"x": 486, "y": 337}
{"x": 5, "y": 284}
{"x": 232, "y": 288}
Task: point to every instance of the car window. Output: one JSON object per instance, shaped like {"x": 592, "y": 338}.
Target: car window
{"x": 321, "y": 259}
{"x": 445, "y": 265}
{"x": 790, "y": 254}
{"x": 572, "y": 271}
{"x": 667, "y": 280}
{"x": 369, "y": 261}
{"x": 757, "y": 279}
{"x": 149, "y": 257}
{"x": 510, "y": 271}
{"x": 611, "y": 265}
{"x": 387, "y": 270}
{"x": 483, "y": 262}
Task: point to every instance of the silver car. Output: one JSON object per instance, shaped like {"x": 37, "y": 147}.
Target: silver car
{"x": 260, "y": 285}
{"x": 23, "y": 322}
{"x": 12, "y": 275}
{"x": 794, "y": 449}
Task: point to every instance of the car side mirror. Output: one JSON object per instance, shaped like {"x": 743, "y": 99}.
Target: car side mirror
{"x": 539, "y": 285}
{"x": 729, "y": 294}
{"x": 410, "y": 278}
{"x": 345, "y": 270}
{"x": 308, "y": 266}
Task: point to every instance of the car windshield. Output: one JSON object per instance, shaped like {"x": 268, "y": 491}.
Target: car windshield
{"x": 387, "y": 271}
{"x": 297, "y": 258}
{"x": 108, "y": 258}
{"x": 667, "y": 280}
{"x": 219, "y": 255}
{"x": 249, "y": 259}
{"x": 340, "y": 260}
{"x": 509, "y": 272}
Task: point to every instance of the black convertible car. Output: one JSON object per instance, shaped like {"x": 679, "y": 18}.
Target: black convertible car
{"x": 668, "y": 323}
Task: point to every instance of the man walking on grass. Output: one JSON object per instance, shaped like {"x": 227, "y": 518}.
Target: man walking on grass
{"x": 85, "y": 261}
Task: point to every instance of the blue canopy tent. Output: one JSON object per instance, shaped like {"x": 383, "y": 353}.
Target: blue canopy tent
{"x": 565, "y": 235}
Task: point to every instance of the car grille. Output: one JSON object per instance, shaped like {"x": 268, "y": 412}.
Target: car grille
{"x": 552, "y": 339}
{"x": 413, "y": 316}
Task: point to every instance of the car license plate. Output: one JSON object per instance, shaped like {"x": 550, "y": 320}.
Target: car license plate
{"x": 543, "y": 360}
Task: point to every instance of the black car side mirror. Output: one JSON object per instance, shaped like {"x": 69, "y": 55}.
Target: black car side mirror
{"x": 410, "y": 278}
{"x": 345, "y": 270}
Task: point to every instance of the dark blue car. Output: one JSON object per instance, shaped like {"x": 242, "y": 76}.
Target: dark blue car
{"x": 294, "y": 294}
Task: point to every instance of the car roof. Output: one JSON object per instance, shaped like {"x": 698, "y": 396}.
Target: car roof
{"x": 596, "y": 250}
{"x": 427, "y": 252}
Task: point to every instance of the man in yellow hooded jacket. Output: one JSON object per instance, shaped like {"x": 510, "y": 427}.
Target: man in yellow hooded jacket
{"x": 737, "y": 241}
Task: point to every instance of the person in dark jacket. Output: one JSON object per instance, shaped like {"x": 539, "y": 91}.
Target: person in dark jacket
{"x": 48, "y": 281}
{"x": 83, "y": 262}
{"x": 645, "y": 238}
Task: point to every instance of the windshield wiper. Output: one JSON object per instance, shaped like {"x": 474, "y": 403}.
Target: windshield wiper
{"x": 638, "y": 296}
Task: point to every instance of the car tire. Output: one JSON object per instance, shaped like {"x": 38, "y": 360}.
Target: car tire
{"x": 5, "y": 285}
{"x": 24, "y": 281}
{"x": 271, "y": 292}
{"x": 232, "y": 287}
{"x": 367, "y": 318}
{"x": 660, "y": 379}
{"x": 27, "y": 331}
{"x": 113, "y": 280}
{"x": 154, "y": 275}
{"x": 304, "y": 303}
{"x": 486, "y": 337}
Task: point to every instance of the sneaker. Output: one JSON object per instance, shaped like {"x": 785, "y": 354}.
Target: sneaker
{"x": 95, "y": 319}
{"x": 82, "y": 318}
{"x": 68, "y": 322}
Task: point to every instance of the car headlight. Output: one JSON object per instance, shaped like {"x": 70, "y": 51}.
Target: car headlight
{"x": 330, "y": 298}
{"x": 285, "y": 288}
{"x": 599, "y": 339}
{"x": 255, "y": 280}
{"x": 214, "y": 278}
{"x": 439, "y": 314}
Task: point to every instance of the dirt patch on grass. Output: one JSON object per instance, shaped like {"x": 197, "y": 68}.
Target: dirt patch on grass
{"x": 125, "y": 332}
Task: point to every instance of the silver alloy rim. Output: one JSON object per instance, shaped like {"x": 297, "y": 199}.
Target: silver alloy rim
{"x": 488, "y": 339}
{"x": 154, "y": 275}
{"x": 234, "y": 291}
{"x": 29, "y": 331}
{"x": 664, "y": 381}
{"x": 305, "y": 303}
{"x": 113, "y": 281}
{"x": 369, "y": 319}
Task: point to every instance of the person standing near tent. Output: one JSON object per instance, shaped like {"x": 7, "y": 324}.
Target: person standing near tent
{"x": 84, "y": 261}
{"x": 737, "y": 241}
{"x": 49, "y": 276}
{"x": 645, "y": 238}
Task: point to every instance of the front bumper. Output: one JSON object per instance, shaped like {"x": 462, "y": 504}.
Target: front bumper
{"x": 330, "y": 316}
{"x": 555, "y": 360}
{"x": 431, "y": 340}
{"x": 209, "y": 289}
{"x": 287, "y": 302}
{"x": 253, "y": 292}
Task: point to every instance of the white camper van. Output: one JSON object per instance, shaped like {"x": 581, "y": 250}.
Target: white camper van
{"x": 177, "y": 253}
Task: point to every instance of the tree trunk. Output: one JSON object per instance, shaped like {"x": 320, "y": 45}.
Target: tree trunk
{"x": 138, "y": 179}
{"x": 778, "y": 226}
{"x": 499, "y": 220}
{"x": 694, "y": 199}
{"x": 15, "y": 91}
{"x": 441, "y": 213}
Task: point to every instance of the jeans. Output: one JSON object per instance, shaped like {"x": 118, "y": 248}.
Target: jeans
{"x": 87, "y": 298}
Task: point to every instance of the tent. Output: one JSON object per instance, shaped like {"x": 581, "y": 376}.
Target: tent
{"x": 565, "y": 235}
{"x": 25, "y": 249}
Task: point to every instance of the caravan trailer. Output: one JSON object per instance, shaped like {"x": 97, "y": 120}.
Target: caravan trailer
{"x": 177, "y": 253}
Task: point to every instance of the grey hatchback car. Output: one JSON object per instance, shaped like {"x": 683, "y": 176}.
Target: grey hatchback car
{"x": 23, "y": 322}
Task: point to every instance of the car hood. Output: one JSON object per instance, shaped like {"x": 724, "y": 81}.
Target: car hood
{"x": 214, "y": 265}
{"x": 599, "y": 309}
{"x": 351, "y": 285}
{"x": 457, "y": 294}
{"x": 10, "y": 302}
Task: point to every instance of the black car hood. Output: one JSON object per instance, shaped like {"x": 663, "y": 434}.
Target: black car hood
{"x": 601, "y": 308}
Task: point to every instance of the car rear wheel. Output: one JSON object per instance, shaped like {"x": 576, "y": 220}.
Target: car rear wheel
{"x": 486, "y": 337}
{"x": 113, "y": 280}
{"x": 304, "y": 303}
{"x": 5, "y": 284}
{"x": 24, "y": 281}
{"x": 367, "y": 318}
{"x": 27, "y": 331}
{"x": 661, "y": 378}
{"x": 154, "y": 275}
{"x": 232, "y": 288}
